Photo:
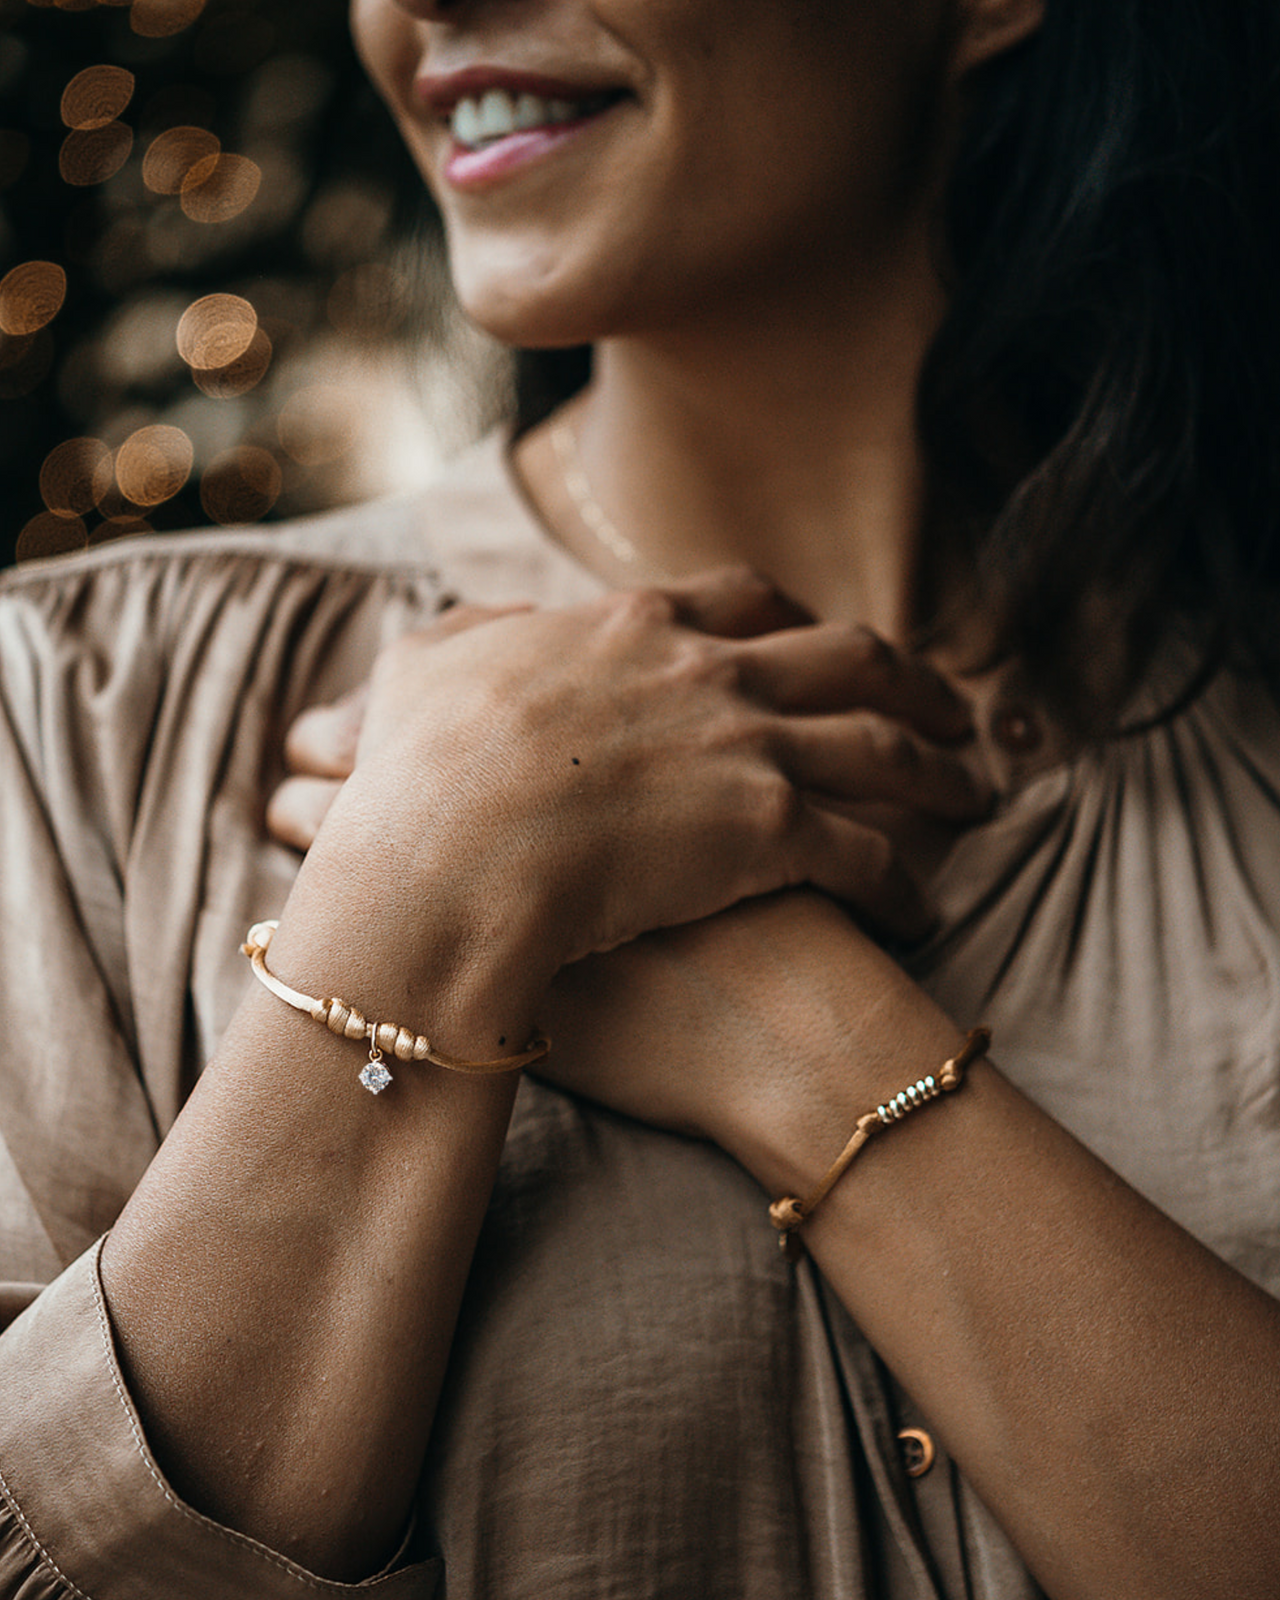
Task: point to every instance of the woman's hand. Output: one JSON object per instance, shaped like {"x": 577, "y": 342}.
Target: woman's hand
{"x": 648, "y": 759}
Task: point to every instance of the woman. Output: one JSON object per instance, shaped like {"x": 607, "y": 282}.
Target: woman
{"x": 596, "y": 817}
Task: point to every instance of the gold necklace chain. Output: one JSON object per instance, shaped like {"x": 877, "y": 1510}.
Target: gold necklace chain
{"x": 591, "y": 513}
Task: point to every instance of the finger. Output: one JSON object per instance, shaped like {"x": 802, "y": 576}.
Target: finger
{"x": 858, "y": 865}
{"x": 863, "y": 756}
{"x": 734, "y": 603}
{"x": 297, "y": 809}
{"x": 321, "y": 743}
{"x": 835, "y": 665}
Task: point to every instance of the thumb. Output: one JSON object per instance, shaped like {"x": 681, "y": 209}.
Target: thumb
{"x": 298, "y": 807}
{"x": 321, "y": 743}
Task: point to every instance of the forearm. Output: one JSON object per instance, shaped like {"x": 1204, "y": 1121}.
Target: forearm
{"x": 285, "y": 1282}
{"x": 1110, "y": 1387}
{"x": 529, "y": 789}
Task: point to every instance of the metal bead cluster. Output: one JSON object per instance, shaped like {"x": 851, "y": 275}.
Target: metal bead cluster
{"x": 348, "y": 1023}
{"x": 917, "y": 1094}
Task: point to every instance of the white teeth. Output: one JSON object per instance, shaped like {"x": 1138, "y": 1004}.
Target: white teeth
{"x": 465, "y": 122}
{"x": 530, "y": 112}
{"x": 496, "y": 115}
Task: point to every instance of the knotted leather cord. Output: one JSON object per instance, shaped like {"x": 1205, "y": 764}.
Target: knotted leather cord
{"x": 789, "y": 1212}
{"x": 349, "y": 1023}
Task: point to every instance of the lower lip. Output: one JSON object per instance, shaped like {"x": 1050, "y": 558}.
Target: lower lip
{"x": 472, "y": 170}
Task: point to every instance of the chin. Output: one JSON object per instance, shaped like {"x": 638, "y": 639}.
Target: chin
{"x": 524, "y": 307}
{"x": 513, "y": 321}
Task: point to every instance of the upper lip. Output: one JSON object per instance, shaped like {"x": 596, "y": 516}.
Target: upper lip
{"x": 442, "y": 91}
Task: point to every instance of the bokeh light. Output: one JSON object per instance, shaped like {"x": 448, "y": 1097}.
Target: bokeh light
{"x": 157, "y": 19}
{"x": 202, "y": 303}
{"x": 50, "y": 535}
{"x": 241, "y": 485}
{"x": 97, "y": 96}
{"x": 173, "y": 154}
{"x": 219, "y": 187}
{"x": 92, "y": 155}
{"x": 216, "y": 330}
{"x": 114, "y": 507}
{"x": 153, "y": 464}
{"x": 239, "y": 376}
{"x": 31, "y": 296}
{"x": 75, "y": 476}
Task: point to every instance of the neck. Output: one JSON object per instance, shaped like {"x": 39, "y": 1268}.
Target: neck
{"x": 764, "y": 437}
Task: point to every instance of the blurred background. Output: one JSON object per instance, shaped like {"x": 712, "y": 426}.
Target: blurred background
{"x": 221, "y": 287}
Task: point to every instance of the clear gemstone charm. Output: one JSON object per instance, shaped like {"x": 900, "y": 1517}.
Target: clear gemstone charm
{"x": 375, "y": 1077}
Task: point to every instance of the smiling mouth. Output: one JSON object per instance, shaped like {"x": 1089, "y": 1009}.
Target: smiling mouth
{"x": 488, "y": 118}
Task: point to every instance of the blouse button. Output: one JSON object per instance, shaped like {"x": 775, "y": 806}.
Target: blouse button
{"x": 918, "y": 1453}
{"x": 1017, "y": 730}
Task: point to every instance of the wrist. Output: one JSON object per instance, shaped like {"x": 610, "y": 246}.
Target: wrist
{"x": 427, "y": 950}
{"x": 788, "y": 1138}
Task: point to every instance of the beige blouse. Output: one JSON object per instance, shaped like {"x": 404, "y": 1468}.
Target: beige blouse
{"x": 628, "y": 1414}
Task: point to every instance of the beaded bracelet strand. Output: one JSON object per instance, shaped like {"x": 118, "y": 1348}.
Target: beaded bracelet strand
{"x": 788, "y": 1213}
{"x": 385, "y": 1038}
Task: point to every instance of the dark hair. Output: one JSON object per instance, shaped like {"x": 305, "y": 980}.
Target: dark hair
{"x": 1101, "y": 409}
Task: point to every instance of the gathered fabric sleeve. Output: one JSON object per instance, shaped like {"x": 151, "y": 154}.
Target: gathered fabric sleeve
{"x": 143, "y": 697}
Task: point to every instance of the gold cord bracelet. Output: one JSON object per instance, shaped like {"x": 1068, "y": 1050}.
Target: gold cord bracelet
{"x": 788, "y": 1213}
{"x": 383, "y": 1037}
